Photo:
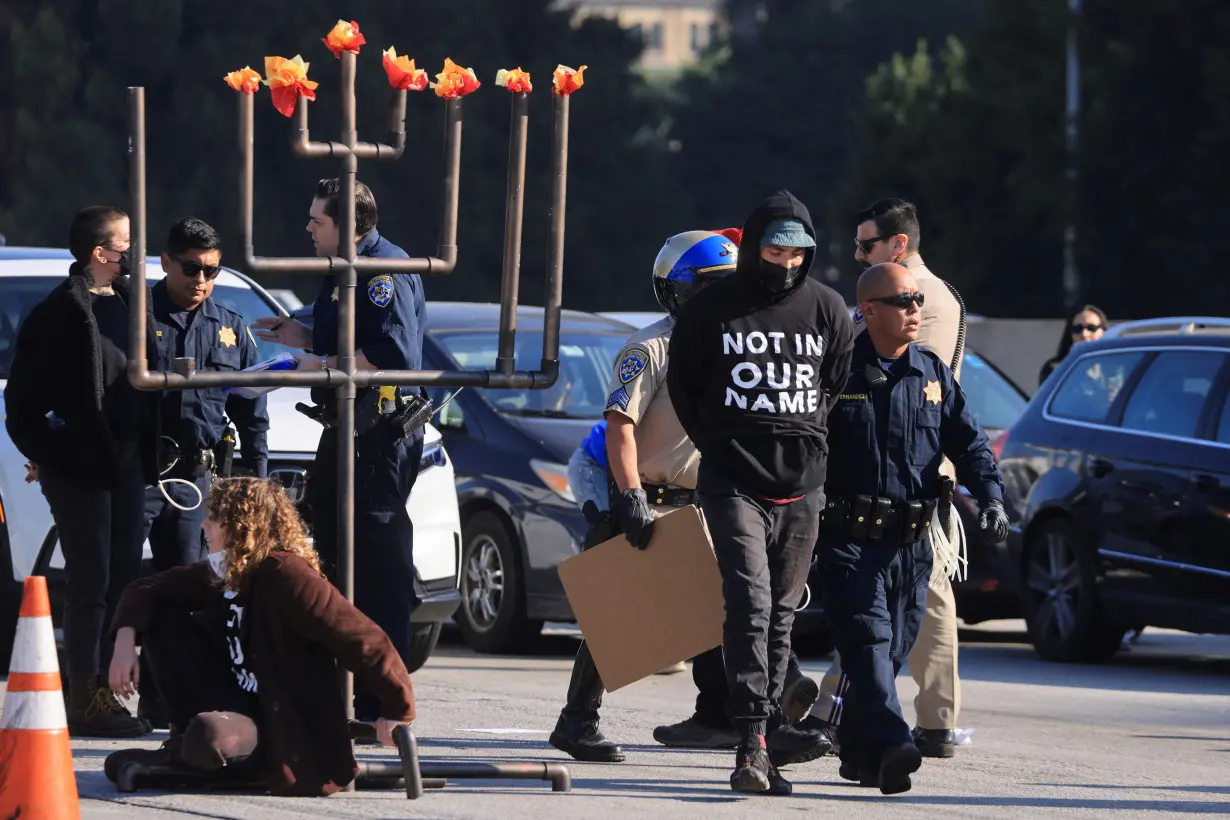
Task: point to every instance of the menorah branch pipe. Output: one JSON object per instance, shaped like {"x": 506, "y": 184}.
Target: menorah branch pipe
{"x": 379, "y": 151}
{"x": 554, "y": 284}
{"x": 138, "y": 366}
{"x": 514, "y": 209}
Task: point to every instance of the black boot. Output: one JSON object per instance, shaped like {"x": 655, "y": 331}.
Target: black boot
{"x": 896, "y": 767}
{"x": 936, "y": 742}
{"x": 576, "y": 732}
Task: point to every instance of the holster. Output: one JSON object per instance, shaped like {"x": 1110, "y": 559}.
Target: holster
{"x": 602, "y": 525}
{"x": 224, "y": 453}
{"x": 387, "y": 405}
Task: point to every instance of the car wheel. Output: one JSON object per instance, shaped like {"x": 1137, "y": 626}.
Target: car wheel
{"x": 423, "y": 640}
{"x": 1061, "y": 605}
{"x": 492, "y": 615}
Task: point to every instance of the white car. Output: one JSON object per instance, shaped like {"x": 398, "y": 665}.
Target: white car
{"x": 27, "y": 534}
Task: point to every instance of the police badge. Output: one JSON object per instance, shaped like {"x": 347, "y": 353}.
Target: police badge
{"x": 632, "y": 364}
{"x": 380, "y": 290}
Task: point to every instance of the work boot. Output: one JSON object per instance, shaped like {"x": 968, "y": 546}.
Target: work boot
{"x": 789, "y": 744}
{"x": 694, "y": 733}
{"x": 935, "y": 742}
{"x": 798, "y": 695}
{"x": 896, "y": 767}
{"x": 576, "y": 732}
{"x": 94, "y": 711}
{"x": 811, "y": 723}
{"x": 582, "y": 741}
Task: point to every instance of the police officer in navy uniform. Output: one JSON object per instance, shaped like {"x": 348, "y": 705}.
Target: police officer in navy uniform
{"x": 189, "y": 323}
{"x": 390, "y": 317}
{"x": 899, "y": 415}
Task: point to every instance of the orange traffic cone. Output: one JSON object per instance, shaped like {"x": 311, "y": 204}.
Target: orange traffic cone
{"x": 36, "y": 761}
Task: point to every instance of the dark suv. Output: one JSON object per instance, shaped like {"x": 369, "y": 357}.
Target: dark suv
{"x": 1118, "y": 479}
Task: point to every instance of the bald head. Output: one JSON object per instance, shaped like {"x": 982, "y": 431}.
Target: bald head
{"x": 885, "y": 279}
{"x": 891, "y": 306}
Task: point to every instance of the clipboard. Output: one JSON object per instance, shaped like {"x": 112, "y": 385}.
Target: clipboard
{"x": 642, "y": 611}
{"x": 282, "y": 361}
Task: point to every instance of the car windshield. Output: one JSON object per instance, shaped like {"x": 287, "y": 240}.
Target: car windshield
{"x": 580, "y": 392}
{"x": 19, "y": 295}
{"x": 994, "y": 401}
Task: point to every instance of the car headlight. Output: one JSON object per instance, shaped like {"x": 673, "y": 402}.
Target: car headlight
{"x": 555, "y": 476}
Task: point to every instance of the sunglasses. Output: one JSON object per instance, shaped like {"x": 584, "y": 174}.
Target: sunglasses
{"x": 191, "y": 269}
{"x": 865, "y": 245}
{"x": 1080, "y": 328}
{"x": 900, "y": 300}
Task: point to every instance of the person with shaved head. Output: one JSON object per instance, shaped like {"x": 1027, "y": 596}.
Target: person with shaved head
{"x": 899, "y": 415}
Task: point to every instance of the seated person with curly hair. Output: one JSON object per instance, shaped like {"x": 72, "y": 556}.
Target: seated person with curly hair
{"x": 247, "y": 648}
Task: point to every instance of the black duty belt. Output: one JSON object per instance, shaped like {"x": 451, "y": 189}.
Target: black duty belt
{"x": 669, "y": 496}
{"x": 870, "y": 518}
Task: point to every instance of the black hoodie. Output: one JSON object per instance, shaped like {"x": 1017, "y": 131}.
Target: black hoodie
{"x": 753, "y": 373}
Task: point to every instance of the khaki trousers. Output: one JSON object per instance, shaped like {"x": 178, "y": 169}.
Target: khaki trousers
{"x": 933, "y": 665}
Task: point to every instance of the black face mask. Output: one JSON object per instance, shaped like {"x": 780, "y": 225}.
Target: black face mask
{"x": 777, "y": 278}
{"x": 125, "y": 270}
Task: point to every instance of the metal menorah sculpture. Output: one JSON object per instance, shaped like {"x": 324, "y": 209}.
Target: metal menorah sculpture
{"x": 346, "y": 379}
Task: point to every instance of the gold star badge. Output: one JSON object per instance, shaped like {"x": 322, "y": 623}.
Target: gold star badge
{"x": 932, "y": 392}
{"x": 226, "y": 336}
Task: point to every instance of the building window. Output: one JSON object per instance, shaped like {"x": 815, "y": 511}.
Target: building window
{"x": 695, "y": 36}
{"x": 655, "y": 37}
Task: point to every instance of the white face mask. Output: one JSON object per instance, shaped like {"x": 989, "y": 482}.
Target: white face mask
{"x": 217, "y": 561}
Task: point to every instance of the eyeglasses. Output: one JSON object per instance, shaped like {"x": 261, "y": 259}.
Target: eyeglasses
{"x": 865, "y": 245}
{"x": 900, "y": 300}
{"x": 1081, "y": 328}
{"x": 191, "y": 269}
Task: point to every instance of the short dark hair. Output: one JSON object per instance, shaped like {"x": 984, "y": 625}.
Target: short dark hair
{"x": 92, "y": 227}
{"x": 192, "y": 234}
{"x": 365, "y": 214}
{"x": 893, "y": 216}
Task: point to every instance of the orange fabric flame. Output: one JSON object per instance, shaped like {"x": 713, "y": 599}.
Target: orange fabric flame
{"x": 344, "y": 37}
{"x": 567, "y": 80}
{"x": 245, "y": 80}
{"x": 402, "y": 73}
{"x": 455, "y": 81}
{"x": 516, "y": 80}
{"x": 287, "y": 81}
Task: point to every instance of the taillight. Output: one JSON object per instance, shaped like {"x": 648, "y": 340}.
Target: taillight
{"x": 997, "y": 446}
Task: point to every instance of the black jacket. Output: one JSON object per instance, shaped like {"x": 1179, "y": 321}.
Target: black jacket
{"x": 58, "y": 368}
{"x": 754, "y": 374}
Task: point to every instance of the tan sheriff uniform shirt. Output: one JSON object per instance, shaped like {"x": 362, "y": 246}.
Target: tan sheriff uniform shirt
{"x": 638, "y": 391}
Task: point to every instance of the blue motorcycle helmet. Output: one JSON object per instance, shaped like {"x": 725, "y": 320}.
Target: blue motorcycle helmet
{"x": 689, "y": 261}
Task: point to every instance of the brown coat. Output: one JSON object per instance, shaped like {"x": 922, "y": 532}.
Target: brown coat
{"x": 298, "y": 630}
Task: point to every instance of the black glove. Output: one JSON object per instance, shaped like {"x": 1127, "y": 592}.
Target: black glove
{"x": 632, "y": 512}
{"x": 994, "y": 520}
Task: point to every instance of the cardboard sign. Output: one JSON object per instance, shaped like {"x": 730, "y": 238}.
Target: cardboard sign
{"x": 642, "y": 611}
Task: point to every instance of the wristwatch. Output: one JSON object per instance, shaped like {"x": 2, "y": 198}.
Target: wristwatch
{"x": 324, "y": 362}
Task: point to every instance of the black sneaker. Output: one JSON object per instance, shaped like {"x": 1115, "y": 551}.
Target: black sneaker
{"x": 896, "y": 767}
{"x": 811, "y": 723}
{"x": 789, "y": 744}
{"x": 752, "y": 768}
{"x": 693, "y": 734}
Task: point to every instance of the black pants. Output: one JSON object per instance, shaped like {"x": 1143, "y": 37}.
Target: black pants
{"x": 712, "y": 693}
{"x": 100, "y": 535}
{"x": 385, "y": 470}
{"x": 874, "y": 597}
{"x": 764, "y": 552}
{"x": 175, "y": 536}
{"x": 216, "y": 719}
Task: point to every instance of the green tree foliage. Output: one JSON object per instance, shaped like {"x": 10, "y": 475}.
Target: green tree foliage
{"x": 66, "y": 64}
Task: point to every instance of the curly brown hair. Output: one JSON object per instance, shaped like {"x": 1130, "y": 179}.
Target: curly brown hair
{"x": 258, "y": 519}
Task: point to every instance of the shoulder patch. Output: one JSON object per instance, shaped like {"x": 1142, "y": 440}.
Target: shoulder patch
{"x": 632, "y": 364}
{"x": 251, "y": 338}
{"x": 858, "y": 315}
{"x": 619, "y": 398}
{"x": 380, "y": 290}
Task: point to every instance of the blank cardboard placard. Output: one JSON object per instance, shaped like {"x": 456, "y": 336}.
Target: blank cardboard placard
{"x": 642, "y": 611}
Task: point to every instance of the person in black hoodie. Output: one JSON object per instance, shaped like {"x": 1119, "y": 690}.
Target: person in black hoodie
{"x": 92, "y": 440}
{"x": 761, "y": 357}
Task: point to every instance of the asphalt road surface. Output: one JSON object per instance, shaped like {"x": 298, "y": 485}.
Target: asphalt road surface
{"x": 1145, "y": 736}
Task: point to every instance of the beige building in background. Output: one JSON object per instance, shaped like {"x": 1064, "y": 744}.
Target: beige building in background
{"x": 675, "y": 32}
